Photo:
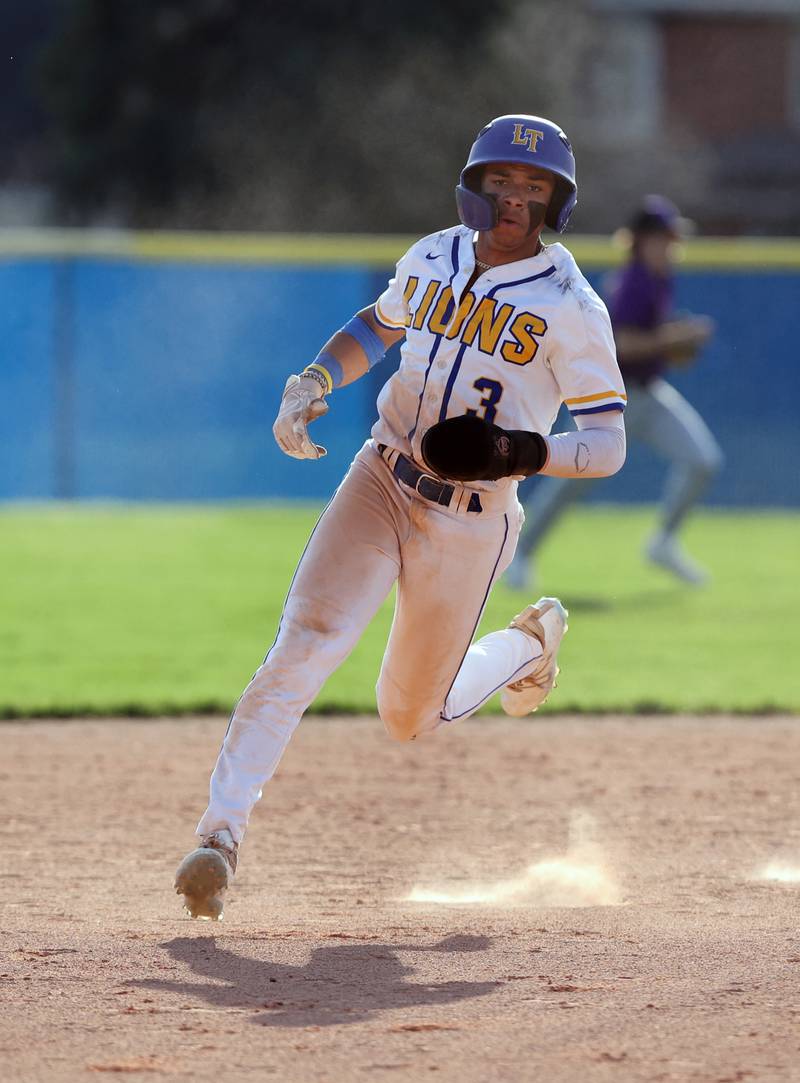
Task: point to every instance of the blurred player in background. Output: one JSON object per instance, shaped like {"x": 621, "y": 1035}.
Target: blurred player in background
{"x": 650, "y": 338}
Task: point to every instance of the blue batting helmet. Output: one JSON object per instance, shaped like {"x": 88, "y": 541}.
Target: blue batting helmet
{"x": 528, "y": 141}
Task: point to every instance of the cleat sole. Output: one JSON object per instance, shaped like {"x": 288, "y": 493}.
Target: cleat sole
{"x": 202, "y": 878}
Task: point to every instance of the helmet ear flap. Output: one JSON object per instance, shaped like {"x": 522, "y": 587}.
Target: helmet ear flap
{"x": 476, "y": 211}
{"x": 562, "y": 204}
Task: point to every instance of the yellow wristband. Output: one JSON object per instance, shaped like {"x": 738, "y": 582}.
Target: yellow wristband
{"x": 324, "y": 373}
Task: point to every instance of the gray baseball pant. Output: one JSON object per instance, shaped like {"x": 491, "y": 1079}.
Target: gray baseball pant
{"x": 659, "y": 416}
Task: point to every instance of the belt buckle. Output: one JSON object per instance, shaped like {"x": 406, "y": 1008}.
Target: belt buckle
{"x": 435, "y": 481}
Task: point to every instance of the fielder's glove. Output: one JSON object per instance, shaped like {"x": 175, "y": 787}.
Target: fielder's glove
{"x": 302, "y": 402}
{"x": 468, "y": 448}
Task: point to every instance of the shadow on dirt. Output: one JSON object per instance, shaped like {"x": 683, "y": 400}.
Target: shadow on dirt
{"x": 340, "y": 983}
{"x": 664, "y": 598}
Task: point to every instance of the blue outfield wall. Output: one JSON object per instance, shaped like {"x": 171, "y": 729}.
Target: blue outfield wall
{"x": 158, "y": 379}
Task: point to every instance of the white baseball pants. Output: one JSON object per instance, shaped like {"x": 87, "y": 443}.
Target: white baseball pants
{"x": 374, "y": 532}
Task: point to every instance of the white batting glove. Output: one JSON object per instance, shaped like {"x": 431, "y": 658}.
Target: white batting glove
{"x": 302, "y": 402}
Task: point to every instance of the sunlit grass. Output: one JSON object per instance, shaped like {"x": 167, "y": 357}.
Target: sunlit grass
{"x": 163, "y": 609}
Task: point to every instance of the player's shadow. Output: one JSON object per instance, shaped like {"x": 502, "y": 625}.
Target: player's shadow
{"x": 340, "y": 983}
{"x": 644, "y": 599}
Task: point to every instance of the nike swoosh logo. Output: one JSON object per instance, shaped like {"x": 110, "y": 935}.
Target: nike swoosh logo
{"x": 433, "y": 255}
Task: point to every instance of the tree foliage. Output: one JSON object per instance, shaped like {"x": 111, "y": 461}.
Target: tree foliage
{"x": 248, "y": 113}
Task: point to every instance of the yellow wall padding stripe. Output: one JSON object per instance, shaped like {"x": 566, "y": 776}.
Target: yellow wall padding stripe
{"x": 280, "y": 249}
{"x": 358, "y": 250}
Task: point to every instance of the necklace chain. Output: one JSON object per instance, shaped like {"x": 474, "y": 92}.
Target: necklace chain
{"x": 489, "y": 267}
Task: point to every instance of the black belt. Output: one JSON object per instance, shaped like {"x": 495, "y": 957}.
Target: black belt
{"x": 428, "y": 487}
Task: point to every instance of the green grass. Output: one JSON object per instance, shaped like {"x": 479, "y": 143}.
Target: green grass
{"x": 144, "y": 610}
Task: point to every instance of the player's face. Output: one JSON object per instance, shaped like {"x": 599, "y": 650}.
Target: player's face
{"x": 522, "y": 194}
{"x": 657, "y": 250}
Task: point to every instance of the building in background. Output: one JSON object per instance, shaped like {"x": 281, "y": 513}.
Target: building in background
{"x": 717, "y": 81}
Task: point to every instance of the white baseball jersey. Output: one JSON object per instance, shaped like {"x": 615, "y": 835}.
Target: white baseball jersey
{"x": 527, "y": 336}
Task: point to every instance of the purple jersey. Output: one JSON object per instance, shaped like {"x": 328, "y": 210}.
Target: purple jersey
{"x": 641, "y": 299}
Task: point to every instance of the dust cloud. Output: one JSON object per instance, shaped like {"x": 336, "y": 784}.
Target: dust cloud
{"x": 581, "y": 877}
{"x": 778, "y": 870}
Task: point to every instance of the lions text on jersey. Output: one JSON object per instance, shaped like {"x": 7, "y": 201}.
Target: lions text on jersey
{"x": 526, "y": 337}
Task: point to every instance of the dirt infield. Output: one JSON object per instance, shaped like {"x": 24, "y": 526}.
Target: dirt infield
{"x": 617, "y": 919}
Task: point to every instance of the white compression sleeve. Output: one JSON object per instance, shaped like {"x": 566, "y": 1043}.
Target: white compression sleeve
{"x": 595, "y": 450}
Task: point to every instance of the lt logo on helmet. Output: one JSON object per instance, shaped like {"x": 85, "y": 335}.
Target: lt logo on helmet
{"x": 527, "y": 137}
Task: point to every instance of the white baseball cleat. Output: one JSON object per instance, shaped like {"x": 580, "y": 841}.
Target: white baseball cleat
{"x": 665, "y": 550}
{"x": 546, "y": 622}
{"x": 205, "y": 874}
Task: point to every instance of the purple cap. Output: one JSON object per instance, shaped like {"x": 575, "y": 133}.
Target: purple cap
{"x": 657, "y": 214}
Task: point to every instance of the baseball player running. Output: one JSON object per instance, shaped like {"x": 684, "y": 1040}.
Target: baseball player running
{"x": 497, "y": 331}
{"x": 650, "y": 337}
